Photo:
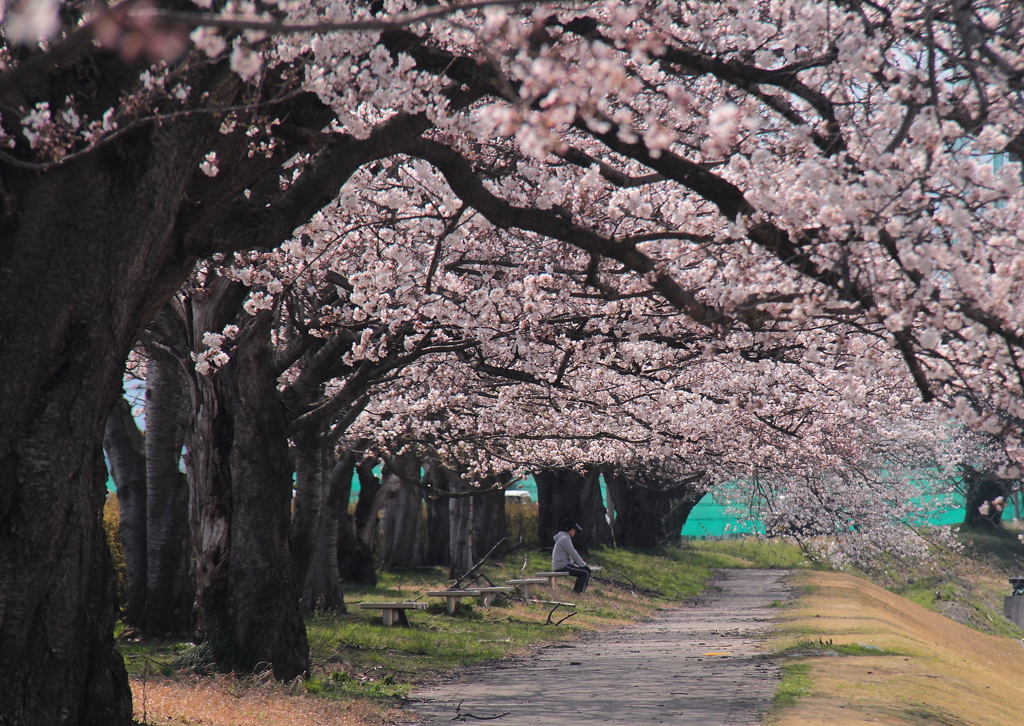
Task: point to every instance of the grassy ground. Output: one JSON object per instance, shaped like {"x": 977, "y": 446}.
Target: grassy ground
{"x": 931, "y": 648}
{"x": 360, "y": 669}
{"x": 968, "y": 586}
{"x": 854, "y": 653}
{"x": 851, "y": 652}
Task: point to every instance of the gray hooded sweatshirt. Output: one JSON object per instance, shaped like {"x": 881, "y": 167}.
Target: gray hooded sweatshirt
{"x": 564, "y": 553}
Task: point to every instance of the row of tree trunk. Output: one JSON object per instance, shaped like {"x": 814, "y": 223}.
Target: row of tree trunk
{"x": 259, "y": 532}
{"x": 417, "y": 514}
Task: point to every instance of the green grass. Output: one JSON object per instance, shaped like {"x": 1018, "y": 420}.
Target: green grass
{"x": 354, "y": 655}
{"x": 820, "y": 646}
{"x": 342, "y": 685}
{"x": 997, "y": 548}
{"x": 436, "y": 641}
{"x": 966, "y": 586}
{"x": 754, "y": 552}
{"x": 928, "y": 591}
{"x": 796, "y": 683}
{"x": 631, "y": 585}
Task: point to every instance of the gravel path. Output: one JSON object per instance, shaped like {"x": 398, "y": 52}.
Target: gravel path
{"x": 661, "y": 671}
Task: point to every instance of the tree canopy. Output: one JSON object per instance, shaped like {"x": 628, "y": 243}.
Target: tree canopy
{"x": 744, "y": 237}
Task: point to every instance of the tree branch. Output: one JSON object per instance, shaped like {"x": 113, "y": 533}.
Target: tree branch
{"x": 467, "y": 185}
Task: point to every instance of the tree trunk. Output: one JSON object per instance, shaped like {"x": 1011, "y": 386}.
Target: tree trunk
{"x": 677, "y": 514}
{"x": 489, "y": 525}
{"x": 87, "y": 254}
{"x": 982, "y": 486}
{"x": 437, "y": 548}
{"x": 648, "y": 511}
{"x": 124, "y": 445}
{"x": 266, "y": 625}
{"x": 323, "y": 589}
{"x": 635, "y": 522}
{"x": 597, "y": 530}
{"x": 357, "y": 532}
{"x": 402, "y": 516}
{"x": 209, "y": 468}
{"x": 169, "y": 590}
{"x": 90, "y": 248}
{"x": 559, "y": 496}
{"x": 460, "y": 522}
{"x": 308, "y": 503}
{"x": 247, "y": 607}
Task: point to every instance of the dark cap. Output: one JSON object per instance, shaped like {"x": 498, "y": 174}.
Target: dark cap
{"x": 568, "y": 524}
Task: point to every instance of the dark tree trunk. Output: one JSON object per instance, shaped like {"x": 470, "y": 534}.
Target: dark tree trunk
{"x": 982, "y": 486}
{"x": 247, "y": 605}
{"x": 597, "y": 530}
{"x": 90, "y": 248}
{"x": 635, "y": 520}
{"x": 266, "y": 625}
{"x": 460, "y": 524}
{"x": 209, "y": 468}
{"x": 489, "y": 525}
{"x": 675, "y": 518}
{"x": 402, "y": 516}
{"x": 437, "y": 550}
{"x": 308, "y": 503}
{"x": 358, "y": 532}
{"x": 648, "y": 511}
{"x": 124, "y": 445}
{"x": 323, "y": 589}
{"x": 88, "y": 252}
{"x": 559, "y": 497}
{"x": 169, "y": 590}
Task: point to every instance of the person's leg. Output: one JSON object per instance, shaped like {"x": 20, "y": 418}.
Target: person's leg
{"x": 582, "y": 575}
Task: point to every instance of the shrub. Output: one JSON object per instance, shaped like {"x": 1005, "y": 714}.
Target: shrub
{"x": 112, "y": 528}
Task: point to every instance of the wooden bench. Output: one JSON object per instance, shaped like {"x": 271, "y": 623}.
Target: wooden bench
{"x": 552, "y": 577}
{"x": 452, "y": 597}
{"x": 487, "y": 594}
{"x": 526, "y": 584}
{"x": 393, "y": 612}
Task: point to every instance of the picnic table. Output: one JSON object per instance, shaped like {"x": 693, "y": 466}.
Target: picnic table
{"x": 453, "y": 596}
{"x": 393, "y": 612}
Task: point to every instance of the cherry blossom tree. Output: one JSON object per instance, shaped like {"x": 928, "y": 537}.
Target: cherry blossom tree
{"x": 775, "y": 183}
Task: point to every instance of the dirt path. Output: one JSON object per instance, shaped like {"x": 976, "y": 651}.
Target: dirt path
{"x": 687, "y": 667}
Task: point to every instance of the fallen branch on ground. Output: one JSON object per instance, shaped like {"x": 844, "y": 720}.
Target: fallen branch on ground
{"x": 460, "y": 716}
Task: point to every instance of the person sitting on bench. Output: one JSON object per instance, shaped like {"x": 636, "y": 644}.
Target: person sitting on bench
{"x": 565, "y": 558}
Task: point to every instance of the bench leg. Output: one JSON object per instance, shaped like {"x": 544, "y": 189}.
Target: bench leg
{"x": 551, "y": 581}
{"x": 403, "y": 619}
{"x": 527, "y": 591}
{"x": 488, "y": 598}
{"x": 388, "y": 615}
{"x": 449, "y": 604}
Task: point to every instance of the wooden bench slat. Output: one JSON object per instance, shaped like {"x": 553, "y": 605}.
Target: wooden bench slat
{"x": 392, "y": 612}
{"x": 527, "y": 584}
{"x": 452, "y": 597}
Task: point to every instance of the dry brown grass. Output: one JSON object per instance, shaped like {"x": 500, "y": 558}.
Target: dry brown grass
{"x": 227, "y": 701}
{"x": 945, "y": 674}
